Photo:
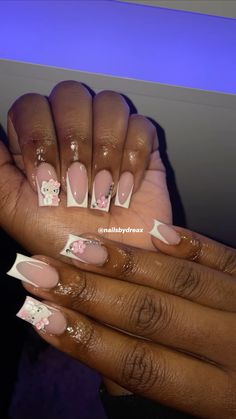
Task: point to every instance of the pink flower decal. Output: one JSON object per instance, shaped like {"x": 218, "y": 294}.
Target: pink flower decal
{"x": 102, "y": 202}
{"x": 40, "y": 324}
{"x": 53, "y": 183}
{"x": 78, "y": 247}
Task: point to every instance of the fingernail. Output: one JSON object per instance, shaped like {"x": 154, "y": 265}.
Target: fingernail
{"x": 42, "y": 316}
{"x": 77, "y": 185}
{"x": 124, "y": 190}
{"x": 34, "y": 272}
{"x": 102, "y": 190}
{"x": 47, "y": 185}
{"x": 165, "y": 233}
{"x": 85, "y": 250}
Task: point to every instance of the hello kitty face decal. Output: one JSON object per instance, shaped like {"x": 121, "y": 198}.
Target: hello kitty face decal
{"x": 50, "y": 190}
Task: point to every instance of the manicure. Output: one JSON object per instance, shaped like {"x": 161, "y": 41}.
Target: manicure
{"x": 124, "y": 190}
{"x": 165, "y": 233}
{"x": 34, "y": 272}
{"x": 85, "y": 250}
{"x": 102, "y": 191}
{"x": 77, "y": 185}
{"x": 47, "y": 185}
{"x": 42, "y": 316}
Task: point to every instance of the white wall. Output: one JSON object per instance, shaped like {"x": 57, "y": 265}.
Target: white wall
{"x": 225, "y": 8}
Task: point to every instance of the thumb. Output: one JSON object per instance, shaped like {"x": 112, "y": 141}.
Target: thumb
{"x": 186, "y": 244}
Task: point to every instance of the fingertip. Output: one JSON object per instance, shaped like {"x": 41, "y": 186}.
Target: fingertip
{"x": 176, "y": 241}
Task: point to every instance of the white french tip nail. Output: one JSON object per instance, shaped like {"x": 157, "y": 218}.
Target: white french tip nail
{"x": 155, "y": 232}
{"x": 166, "y": 233}
{"x": 127, "y": 202}
{"x": 14, "y": 272}
{"x": 71, "y": 202}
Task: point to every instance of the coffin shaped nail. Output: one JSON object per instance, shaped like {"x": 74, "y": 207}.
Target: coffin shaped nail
{"x": 124, "y": 190}
{"x": 102, "y": 191}
{"x": 48, "y": 186}
{"x": 165, "y": 233}
{"x": 42, "y": 316}
{"x": 85, "y": 250}
{"x": 77, "y": 185}
{"x": 34, "y": 272}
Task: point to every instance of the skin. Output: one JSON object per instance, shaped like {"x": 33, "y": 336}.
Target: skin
{"x": 178, "y": 352}
{"x": 43, "y": 127}
{"x": 104, "y": 136}
{"x": 176, "y": 323}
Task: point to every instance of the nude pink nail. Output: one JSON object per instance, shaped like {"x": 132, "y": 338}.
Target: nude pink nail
{"x": 77, "y": 185}
{"x": 34, "y": 272}
{"x": 102, "y": 191}
{"x": 43, "y": 317}
{"x": 124, "y": 190}
{"x": 165, "y": 233}
{"x": 47, "y": 185}
{"x": 85, "y": 250}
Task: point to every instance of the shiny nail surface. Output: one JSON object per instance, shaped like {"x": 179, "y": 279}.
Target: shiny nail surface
{"x": 77, "y": 185}
{"x": 102, "y": 191}
{"x": 34, "y": 272}
{"x": 48, "y": 186}
{"x": 85, "y": 250}
{"x": 165, "y": 233}
{"x": 124, "y": 190}
{"x": 42, "y": 316}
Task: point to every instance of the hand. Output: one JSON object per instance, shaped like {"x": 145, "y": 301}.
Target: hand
{"x": 66, "y": 128}
{"x": 157, "y": 325}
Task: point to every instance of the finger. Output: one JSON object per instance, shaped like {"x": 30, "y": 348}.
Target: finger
{"x": 71, "y": 105}
{"x": 175, "y": 276}
{"x": 11, "y": 190}
{"x": 31, "y": 133}
{"x": 111, "y": 114}
{"x": 141, "y": 311}
{"x": 136, "y": 158}
{"x": 186, "y": 244}
{"x": 141, "y": 367}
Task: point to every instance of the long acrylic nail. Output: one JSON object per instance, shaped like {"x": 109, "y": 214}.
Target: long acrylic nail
{"x": 42, "y": 316}
{"x": 102, "y": 191}
{"x": 47, "y": 185}
{"x": 165, "y": 233}
{"x": 77, "y": 185}
{"x": 85, "y": 250}
{"x": 124, "y": 190}
{"x": 34, "y": 272}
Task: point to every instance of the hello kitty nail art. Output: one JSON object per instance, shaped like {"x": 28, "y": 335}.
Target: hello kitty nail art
{"x": 50, "y": 191}
{"x": 34, "y": 312}
{"x": 47, "y": 185}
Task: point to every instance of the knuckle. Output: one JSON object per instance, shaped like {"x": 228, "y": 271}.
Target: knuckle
{"x": 40, "y": 134}
{"x": 186, "y": 281}
{"x": 141, "y": 371}
{"x": 108, "y": 141}
{"x": 128, "y": 266}
{"x": 83, "y": 334}
{"x": 150, "y": 314}
{"x": 80, "y": 290}
{"x": 227, "y": 260}
{"x": 75, "y": 135}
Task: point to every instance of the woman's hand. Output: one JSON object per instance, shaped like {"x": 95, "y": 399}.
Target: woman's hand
{"x": 157, "y": 325}
{"x": 74, "y": 139}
